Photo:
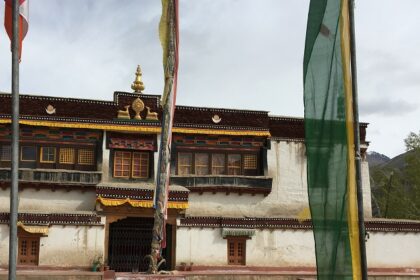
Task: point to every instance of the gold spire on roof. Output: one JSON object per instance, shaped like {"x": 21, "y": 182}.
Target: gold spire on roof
{"x": 138, "y": 85}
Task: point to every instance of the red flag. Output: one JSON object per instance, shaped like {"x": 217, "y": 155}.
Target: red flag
{"x": 22, "y": 21}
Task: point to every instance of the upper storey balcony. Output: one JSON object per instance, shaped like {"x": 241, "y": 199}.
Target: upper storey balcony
{"x": 53, "y": 176}
{"x": 220, "y": 164}
{"x": 52, "y": 156}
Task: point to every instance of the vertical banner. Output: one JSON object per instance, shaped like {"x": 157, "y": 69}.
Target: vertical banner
{"x": 23, "y": 21}
{"x": 330, "y": 141}
{"x": 168, "y": 33}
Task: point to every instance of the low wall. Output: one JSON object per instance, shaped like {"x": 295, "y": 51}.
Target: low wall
{"x": 64, "y": 246}
{"x": 292, "y": 248}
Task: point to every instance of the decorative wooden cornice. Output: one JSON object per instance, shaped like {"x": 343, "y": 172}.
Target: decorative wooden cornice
{"x": 290, "y": 223}
{"x": 53, "y": 219}
{"x": 137, "y": 194}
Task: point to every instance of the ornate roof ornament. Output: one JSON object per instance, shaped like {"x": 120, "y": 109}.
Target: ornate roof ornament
{"x": 138, "y": 85}
{"x": 50, "y": 110}
{"x": 216, "y": 119}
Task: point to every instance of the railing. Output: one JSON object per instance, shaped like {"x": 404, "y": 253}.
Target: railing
{"x": 257, "y": 182}
{"x": 53, "y": 176}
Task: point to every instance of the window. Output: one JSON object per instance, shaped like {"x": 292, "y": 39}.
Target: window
{"x": 47, "y": 154}
{"x": 236, "y": 250}
{"x": 66, "y": 156}
{"x": 184, "y": 163}
{"x": 250, "y": 161}
{"x": 218, "y": 164}
{"x": 122, "y": 162}
{"x": 86, "y": 157}
{"x": 28, "y": 153}
{"x": 205, "y": 163}
{"x": 140, "y": 165}
{"x": 6, "y": 153}
{"x": 201, "y": 164}
{"x": 131, "y": 164}
{"x": 28, "y": 251}
{"x": 234, "y": 164}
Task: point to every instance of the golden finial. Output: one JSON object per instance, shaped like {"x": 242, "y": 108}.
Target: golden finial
{"x": 137, "y": 85}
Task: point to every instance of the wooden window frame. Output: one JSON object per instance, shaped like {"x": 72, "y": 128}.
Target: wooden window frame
{"x": 73, "y": 155}
{"x": 242, "y": 172}
{"x": 240, "y": 167}
{"x": 122, "y": 161}
{"x": 21, "y": 153}
{"x": 41, "y": 154}
{"x": 131, "y": 165}
{"x": 236, "y": 259}
{"x": 1, "y": 153}
{"x": 191, "y": 165}
{"x": 197, "y": 165}
{"x": 79, "y": 156}
{"x": 147, "y": 166}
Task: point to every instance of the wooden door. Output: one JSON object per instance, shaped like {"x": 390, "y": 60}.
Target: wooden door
{"x": 236, "y": 250}
{"x": 28, "y": 253}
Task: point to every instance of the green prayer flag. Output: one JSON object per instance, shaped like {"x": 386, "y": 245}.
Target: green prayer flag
{"x": 329, "y": 144}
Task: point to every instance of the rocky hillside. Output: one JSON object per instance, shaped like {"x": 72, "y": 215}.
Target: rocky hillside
{"x": 376, "y": 159}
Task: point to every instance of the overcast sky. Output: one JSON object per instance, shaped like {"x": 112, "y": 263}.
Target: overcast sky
{"x": 243, "y": 54}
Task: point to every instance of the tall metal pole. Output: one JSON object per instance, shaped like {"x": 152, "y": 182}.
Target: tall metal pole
{"x": 14, "y": 202}
{"x": 362, "y": 230}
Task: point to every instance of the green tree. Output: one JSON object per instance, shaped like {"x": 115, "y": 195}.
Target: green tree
{"x": 412, "y": 172}
{"x": 412, "y": 141}
{"x": 396, "y": 188}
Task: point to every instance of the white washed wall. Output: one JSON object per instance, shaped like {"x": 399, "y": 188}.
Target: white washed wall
{"x": 220, "y": 204}
{"x": 389, "y": 249}
{"x": 64, "y": 245}
{"x": 291, "y": 248}
{"x": 50, "y": 201}
{"x": 71, "y": 245}
{"x": 287, "y": 165}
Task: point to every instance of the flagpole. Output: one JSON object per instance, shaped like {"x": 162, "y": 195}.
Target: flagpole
{"x": 163, "y": 173}
{"x": 362, "y": 230}
{"x": 15, "y": 144}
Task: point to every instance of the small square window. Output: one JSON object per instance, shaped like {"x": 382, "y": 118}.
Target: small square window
{"x": 250, "y": 161}
{"x": 66, "y": 156}
{"x": 47, "y": 154}
{"x": 6, "y": 153}
{"x": 28, "y": 153}
{"x": 86, "y": 157}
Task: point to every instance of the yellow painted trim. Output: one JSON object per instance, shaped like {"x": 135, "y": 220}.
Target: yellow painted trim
{"x": 352, "y": 209}
{"x": 220, "y": 132}
{"x": 90, "y": 126}
{"x": 130, "y": 128}
{"x": 34, "y": 229}
{"x": 139, "y": 203}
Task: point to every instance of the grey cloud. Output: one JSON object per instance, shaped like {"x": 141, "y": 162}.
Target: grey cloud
{"x": 386, "y": 107}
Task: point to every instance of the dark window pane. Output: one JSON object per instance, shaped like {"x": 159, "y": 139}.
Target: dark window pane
{"x": 28, "y": 153}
